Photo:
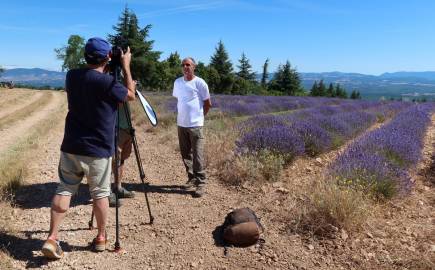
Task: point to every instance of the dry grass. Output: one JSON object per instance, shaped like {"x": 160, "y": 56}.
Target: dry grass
{"x": 13, "y": 164}
{"x": 11, "y": 99}
{"x": 326, "y": 207}
{"x": 231, "y": 168}
{"x": 24, "y": 112}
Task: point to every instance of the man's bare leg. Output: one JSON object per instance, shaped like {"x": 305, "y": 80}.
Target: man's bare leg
{"x": 59, "y": 206}
{"x": 120, "y": 173}
{"x": 101, "y": 207}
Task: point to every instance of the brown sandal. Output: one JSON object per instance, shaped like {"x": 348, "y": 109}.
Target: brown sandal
{"x": 99, "y": 245}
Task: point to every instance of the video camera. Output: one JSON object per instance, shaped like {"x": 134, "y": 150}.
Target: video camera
{"x": 120, "y": 45}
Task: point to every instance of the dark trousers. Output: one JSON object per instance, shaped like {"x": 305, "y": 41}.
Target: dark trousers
{"x": 191, "y": 141}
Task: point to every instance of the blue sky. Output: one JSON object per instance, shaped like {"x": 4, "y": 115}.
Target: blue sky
{"x": 368, "y": 36}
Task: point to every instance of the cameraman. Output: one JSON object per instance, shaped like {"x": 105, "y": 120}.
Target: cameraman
{"x": 88, "y": 142}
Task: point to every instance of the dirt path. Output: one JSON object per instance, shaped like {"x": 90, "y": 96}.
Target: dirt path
{"x": 182, "y": 234}
{"x": 12, "y": 134}
{"x": 18, "y": 100}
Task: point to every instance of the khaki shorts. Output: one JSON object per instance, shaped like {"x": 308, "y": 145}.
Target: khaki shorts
{"x": 125, "y": 142}
{"x": 72, "y": 169}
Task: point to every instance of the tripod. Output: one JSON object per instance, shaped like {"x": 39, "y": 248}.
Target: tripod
{"x": 145, "y": 186}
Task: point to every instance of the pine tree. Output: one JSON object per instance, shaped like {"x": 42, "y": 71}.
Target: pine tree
{"x": 337, "y": 90}
{"x": 201, "y": 71}
{"x": 330, "y": 91}
{"x": 174, "y": 61}
{"x": 353, "y": 95}
{"x": 220, "y": 60}
{"x": 314, "y": 92}
{"x": 340, "y": 92}
{"x": 321, "y": 89}
{"x": 145, "y": 65}
{"x": 169, "y": 70}
{"x": 286, "y": 80}
{"x": 265, "y": 74}
{"x": 245, "y": 69}
{"x": 221, "y": 63}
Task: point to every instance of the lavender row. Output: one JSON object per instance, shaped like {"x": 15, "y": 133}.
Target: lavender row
{"x": 255, "y": 105}
{"x": 310, "y": 131}
{"x": 380, "y": 160}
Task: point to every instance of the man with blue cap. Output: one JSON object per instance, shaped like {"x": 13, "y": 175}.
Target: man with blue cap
{"x": 88, "y": 143}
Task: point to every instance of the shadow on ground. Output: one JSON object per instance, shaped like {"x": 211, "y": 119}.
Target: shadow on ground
{"x": 174, "y": 189}
{"x": 27, "y": 250}
{"x": 40, "y": 195}
{"x": 217, "y": 236}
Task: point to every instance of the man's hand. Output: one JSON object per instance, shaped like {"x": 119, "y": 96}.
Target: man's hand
{"x": 207, "y": 106}
{"x": 126, "y": 58}
{"x": 128, "y": 80}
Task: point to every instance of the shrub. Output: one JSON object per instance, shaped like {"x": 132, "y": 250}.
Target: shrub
{"x": 326, "y": 207}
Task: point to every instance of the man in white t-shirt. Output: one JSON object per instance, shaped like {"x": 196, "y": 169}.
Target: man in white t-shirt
{"x": 193, "y": 104}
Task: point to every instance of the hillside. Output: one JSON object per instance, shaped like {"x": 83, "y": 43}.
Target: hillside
{"x": 396, "y": 84}
{"x": 34, "y": 77}
{"x": 385, "y": 85}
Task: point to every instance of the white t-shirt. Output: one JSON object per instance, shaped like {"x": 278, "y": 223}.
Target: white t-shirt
{"x": 190, "y": 95}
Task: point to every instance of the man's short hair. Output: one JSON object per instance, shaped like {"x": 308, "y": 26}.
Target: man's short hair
{"x": 189, "y": 58}
{"x": 97, "y": 50}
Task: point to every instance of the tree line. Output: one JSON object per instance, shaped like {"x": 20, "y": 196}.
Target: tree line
{"x": 319, "y": 90}
{"x": 154, "y": 75}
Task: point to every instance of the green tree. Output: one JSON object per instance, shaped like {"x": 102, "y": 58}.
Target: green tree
{"x": 174, "y": 61}
{"x": 340, "y": 92}
{"x": 145, "y": 65}
{"x": 355, "y": 95}
{"x": 265, "y": 74}
{"x": 202, "y": 71}
{"x": 72, "y": 54}
{"x": 314, "y": 92}
{"x": 245, "y": 69}
{"x": 168, "y": 70}
{"x": 222, "y": 64}
{"x": 322, "y": 89}
{"x": 286, "y": 81}
{"x": 330, "y": 91}
{"x": 1, "y": 70}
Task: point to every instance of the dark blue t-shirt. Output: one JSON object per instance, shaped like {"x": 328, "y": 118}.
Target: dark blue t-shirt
{"x": 93, "y": 99}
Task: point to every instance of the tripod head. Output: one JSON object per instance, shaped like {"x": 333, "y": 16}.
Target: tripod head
{"x": 118, "y": 48}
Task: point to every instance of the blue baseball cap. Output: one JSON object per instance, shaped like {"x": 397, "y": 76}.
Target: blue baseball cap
{"x": 97, "y": 47}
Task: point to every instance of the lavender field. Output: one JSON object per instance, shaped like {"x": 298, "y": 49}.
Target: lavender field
{"x": 380, "y": 160}
{"x": 269, "y": 133}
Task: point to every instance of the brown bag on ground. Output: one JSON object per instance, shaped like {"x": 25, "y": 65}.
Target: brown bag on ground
{"x": 242, "y": 228}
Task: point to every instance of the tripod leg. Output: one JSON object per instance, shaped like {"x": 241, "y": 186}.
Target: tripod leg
{"x": 91, "y": 222}
{"x": 146, "y": 199}
{"x": 117, "y": 244}
{"x": 138, "y": 160}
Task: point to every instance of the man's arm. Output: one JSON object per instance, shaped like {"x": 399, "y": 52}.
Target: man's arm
{"x": 128, "y": 80}
{"x": 207, "y": 106}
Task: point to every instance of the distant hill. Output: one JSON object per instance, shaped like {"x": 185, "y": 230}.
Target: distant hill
{"x": 34, "y": 77}
{"x": 386, "y": 85}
